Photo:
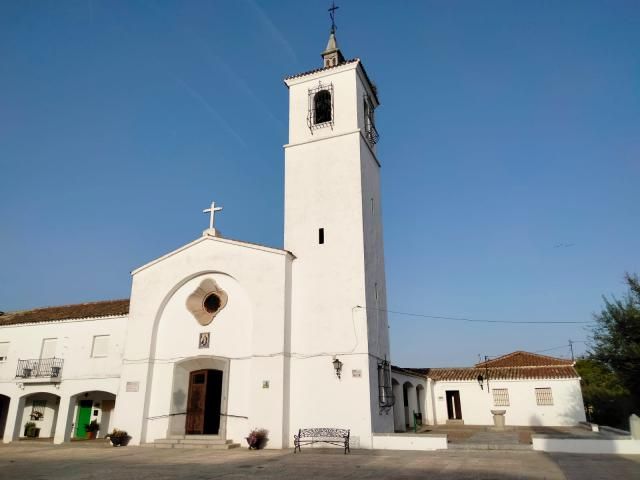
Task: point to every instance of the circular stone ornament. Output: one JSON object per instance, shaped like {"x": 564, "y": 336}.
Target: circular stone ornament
{"x": 206, "y": 301}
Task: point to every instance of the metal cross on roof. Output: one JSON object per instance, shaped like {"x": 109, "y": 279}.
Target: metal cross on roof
{"x": 212, "y": 211}
{"x": 332, "y": 14}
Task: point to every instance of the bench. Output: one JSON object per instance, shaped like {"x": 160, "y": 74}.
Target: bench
{"x": 333, "y": 436}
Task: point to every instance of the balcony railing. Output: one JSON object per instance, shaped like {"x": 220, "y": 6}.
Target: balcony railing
{"x": 40, "y": 368}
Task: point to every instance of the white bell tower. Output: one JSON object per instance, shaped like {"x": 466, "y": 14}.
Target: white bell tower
{"x": 333, "y": 227}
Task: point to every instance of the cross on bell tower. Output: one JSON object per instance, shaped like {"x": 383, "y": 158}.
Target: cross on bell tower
{"x": 332, "y": 55}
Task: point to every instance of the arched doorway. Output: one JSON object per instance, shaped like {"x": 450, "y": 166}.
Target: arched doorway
{"x": 409, "y": 400}
{"x": 421, "y": 408}
{"x": 87, "y": 407}
{"x": 398, "y": 407}
{"x": 199, "y": 397}
{"x": 38, "y": 415}
{"x": 4, "y": 410}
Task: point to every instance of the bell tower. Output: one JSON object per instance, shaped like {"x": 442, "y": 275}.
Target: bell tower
{"x": 333, "y": 227}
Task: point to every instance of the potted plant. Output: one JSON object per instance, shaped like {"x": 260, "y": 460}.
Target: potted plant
{"x": 36, "y": 415}
{"x": 30, "y": 430}
{"x": 119, "y": 438}
{"x": 92, "y": 430}
{"x": 257, "y": 438}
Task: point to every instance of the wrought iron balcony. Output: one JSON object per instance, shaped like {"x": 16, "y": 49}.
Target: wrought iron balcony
{"x": 40, "y": 368}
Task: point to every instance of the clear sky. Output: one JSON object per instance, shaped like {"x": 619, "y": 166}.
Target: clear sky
{"x": 510, "y": 150}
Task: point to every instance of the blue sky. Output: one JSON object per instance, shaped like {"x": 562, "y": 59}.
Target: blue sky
{"x": 510, "y": 144}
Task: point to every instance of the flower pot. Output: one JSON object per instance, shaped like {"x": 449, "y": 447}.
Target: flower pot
{"x": 91, "y": 435}
{"x": 119, "y": 441}
{"x": 255, "y": 443}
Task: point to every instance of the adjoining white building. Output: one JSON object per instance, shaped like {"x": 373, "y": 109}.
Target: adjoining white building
{"x": 531, "y": 389}
{"x": 220, "y": 335}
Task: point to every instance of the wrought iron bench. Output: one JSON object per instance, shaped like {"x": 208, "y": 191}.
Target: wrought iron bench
{"x": 333, "y": 436}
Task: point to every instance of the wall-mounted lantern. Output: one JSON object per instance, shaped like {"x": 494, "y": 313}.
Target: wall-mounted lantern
{"x": 481, "y": 381}
{"x": 337, "y": 366}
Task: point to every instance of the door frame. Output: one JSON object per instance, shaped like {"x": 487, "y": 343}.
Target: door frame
{"x": 180, "y": 389}
{"x": 454, "y": 409}
{"x": 80, "y": 408}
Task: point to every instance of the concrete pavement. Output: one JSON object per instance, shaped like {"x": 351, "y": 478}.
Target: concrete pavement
{"x": 89, "y": 460}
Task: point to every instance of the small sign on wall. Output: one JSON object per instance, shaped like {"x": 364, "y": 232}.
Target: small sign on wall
{"x": 356, "y": 373}
{"x": 133, "y": 386}
{"x": 203, "y": 341}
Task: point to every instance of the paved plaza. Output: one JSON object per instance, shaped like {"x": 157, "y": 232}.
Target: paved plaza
{"x": 32, "y": 461}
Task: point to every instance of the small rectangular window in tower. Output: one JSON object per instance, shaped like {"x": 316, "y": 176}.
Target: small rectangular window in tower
{"x": 321, "y": 236}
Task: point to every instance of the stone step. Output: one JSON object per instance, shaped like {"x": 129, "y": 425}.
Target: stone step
{"x": 201, "y": 437}
{"x": 214, "y": 446}
{"x": 488, "y": 446}
{"x": 194, "y": 441}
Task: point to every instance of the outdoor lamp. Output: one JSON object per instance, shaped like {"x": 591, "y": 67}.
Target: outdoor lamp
{"x": 480, "y": 381}
{"x": 337, "y": 365}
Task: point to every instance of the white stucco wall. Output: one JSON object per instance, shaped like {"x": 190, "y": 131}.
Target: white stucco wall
{"x": 476, "y": 403}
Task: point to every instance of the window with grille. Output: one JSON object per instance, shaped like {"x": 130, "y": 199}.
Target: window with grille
{"x": 544, "y": 396}
{"x": 386, "y": 399}
{"x": 320, "y": 106}
{"x": 100, "y": 347}
{"x": 370, "y": 131}
{"x": 500, "y": 397}
{"x": 37, "y": 409}
{"x": 4, "y": 351}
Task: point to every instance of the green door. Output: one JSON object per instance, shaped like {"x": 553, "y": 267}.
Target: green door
{"x": 84, "y": 417}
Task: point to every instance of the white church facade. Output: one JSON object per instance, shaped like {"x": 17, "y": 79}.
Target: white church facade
{"x": 221, "y": 336}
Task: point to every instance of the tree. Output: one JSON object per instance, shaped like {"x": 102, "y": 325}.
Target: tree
{"x": 616, "y": 338}
{"x": 606, "y": 400}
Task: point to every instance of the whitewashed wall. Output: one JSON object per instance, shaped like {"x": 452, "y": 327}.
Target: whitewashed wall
{"x": 476, "y": 403}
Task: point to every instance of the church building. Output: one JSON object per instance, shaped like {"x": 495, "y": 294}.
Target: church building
{"x": 220, "y": 335}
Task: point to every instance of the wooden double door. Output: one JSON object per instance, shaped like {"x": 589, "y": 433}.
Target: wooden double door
{"x": 204, "y": 402}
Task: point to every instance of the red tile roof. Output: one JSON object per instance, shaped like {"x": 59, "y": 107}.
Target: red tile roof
{"x": 316, "y": 70}
{"x": 524, "y": 359}
{"x": 514, "y": 366}
{"x": 507, "y": 373}
{"x": 107, "y": 308}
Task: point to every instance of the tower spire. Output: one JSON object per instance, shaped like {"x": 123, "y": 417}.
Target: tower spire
{"x": 332, "y": 55}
